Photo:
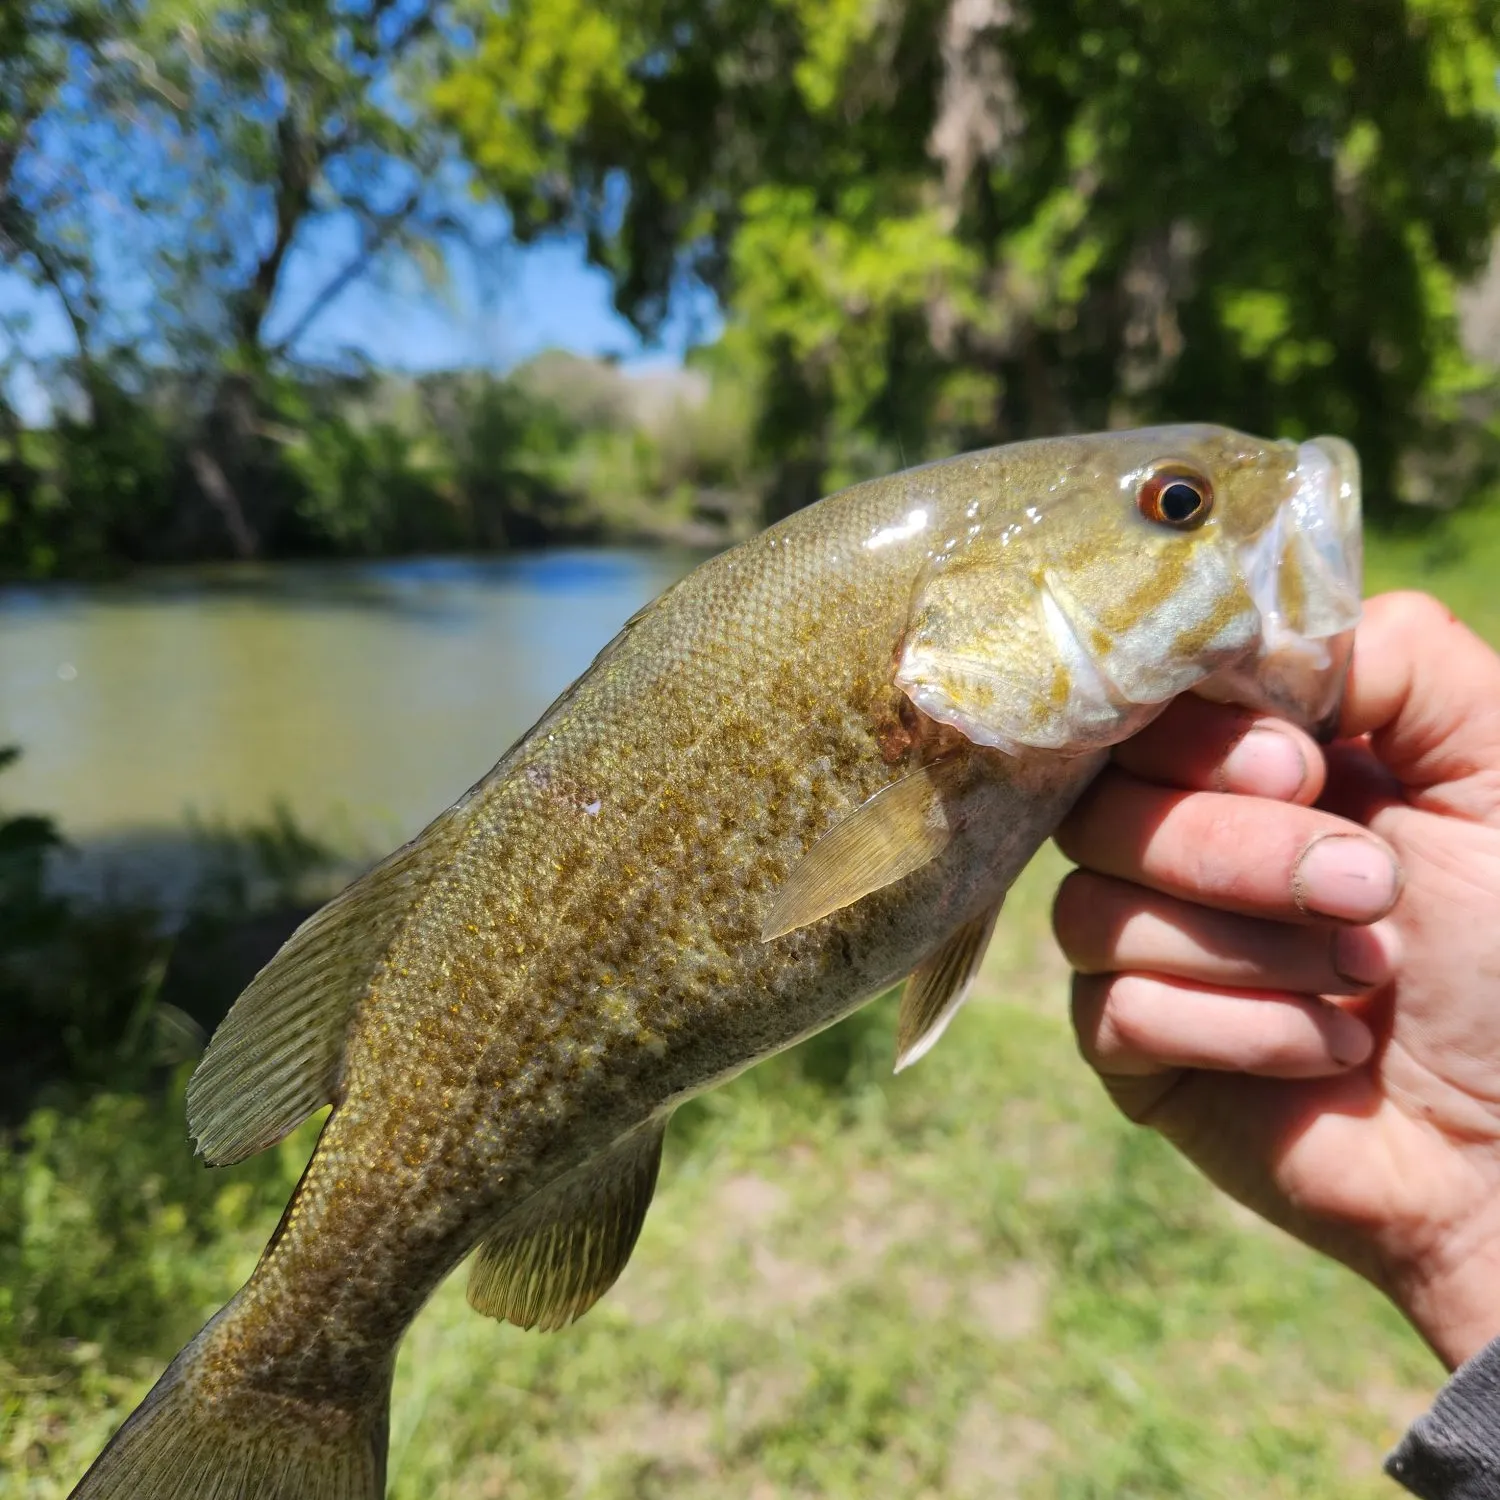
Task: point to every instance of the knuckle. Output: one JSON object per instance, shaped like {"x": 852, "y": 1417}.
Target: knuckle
{"x": 1264, "y": 1046}
{"x": 1140, "y": 1098}
{"x": 1411, "y": 610}
{"x": 1092, "y": 917}
{"x": 1124, "y": 1026}
{"x": 1280, "y": 1040}
{"x": 1234, "y": 848}
{"x": 1208, "y": 833}
{"x": 1087, "y": 1012}
{"x": 1073, "y": 912}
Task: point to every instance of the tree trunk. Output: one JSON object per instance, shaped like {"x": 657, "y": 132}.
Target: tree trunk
{"x": 215, "y": 485}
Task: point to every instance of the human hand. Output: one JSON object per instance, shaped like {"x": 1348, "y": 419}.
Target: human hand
{"x": 1306, "y": 999}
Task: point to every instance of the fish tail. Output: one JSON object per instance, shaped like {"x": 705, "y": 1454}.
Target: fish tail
{"x": 193, "y": 1439}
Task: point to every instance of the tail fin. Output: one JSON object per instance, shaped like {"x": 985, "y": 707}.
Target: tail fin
{"x": 184, "y": 1443}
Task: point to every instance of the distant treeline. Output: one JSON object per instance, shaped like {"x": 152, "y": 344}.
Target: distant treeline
{"x": 560, "y": 450}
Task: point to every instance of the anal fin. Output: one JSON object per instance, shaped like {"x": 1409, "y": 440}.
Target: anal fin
{"x": 563, "y": 1248}
{"x": 939, "y": 986}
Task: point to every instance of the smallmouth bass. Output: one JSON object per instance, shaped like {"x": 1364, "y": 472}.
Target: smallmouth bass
{"x": 810, "y": 770}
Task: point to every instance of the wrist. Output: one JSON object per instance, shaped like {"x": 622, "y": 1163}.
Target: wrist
{"x": 1451, "y": 1294}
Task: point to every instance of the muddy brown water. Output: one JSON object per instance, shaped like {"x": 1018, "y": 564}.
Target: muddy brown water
{"x": 362, "y": 696}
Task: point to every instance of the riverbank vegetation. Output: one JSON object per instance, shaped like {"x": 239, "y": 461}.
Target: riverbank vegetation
{"x": 915, "y": 227}
{"x": 561, "y": 450}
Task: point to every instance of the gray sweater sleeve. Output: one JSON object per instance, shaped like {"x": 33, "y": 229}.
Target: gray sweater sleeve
{"x": 1453, "y": 1452}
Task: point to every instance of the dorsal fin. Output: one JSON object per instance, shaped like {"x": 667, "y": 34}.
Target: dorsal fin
{"x": 563, "y": 1248}
{"x": 276, "y": 1056}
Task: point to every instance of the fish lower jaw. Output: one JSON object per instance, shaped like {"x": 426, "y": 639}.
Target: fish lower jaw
{"x": 1293, "y": 678}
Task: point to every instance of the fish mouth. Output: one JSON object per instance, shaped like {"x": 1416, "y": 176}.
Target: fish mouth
{"x": 1342, "y": 501}
{"x": 1304, "y": 572}
{"x": 1328, "y": 497}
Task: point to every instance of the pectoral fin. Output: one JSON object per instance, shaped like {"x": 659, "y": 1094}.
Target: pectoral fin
{"x": 898, "y": 830}
{"x": 939, "y": 987}
{"x": 562, "y": 1249}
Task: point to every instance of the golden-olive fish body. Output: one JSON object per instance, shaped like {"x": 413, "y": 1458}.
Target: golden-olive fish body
{"x": 810, "y": 770}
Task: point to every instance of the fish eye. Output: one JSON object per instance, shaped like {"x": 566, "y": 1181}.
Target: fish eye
{"x": 1176, "y": 496}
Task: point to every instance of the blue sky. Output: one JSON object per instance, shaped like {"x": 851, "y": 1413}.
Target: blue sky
{"x": 520, "y": 301}
{"x": 530, "y": 298}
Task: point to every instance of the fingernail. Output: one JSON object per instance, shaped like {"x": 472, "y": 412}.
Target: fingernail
{"x": 1343, "y": 875}
{"x": 1265, "y": 763}
{"x": 1349, "y": 1039}
{"x": 1362, "y": 955}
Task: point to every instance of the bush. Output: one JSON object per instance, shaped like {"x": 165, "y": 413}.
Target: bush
{"x": 561, "y": 450}
{"x": 77, "y": 985}
{"x": 111, "y": 1231}
{"x": 109, "y": 1227}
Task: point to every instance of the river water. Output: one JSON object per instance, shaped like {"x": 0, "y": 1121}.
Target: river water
{"x": 363, "y": 696}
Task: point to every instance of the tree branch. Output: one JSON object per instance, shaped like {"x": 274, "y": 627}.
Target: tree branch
{"x": 214, "y": 483}
{"x": 375, "y": 241}
{"x": 293, "y": 199}
{"x": 52, "y": 274}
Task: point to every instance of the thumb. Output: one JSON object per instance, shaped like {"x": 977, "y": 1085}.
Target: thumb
{"x": 1426, "y": 690}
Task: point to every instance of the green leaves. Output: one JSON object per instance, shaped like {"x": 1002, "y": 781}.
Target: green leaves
{"x": 1097, "y": 210}
{"x": 929, "y": 224}
{"x": 541, "y": 70}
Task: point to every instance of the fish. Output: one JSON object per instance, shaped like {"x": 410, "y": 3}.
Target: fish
{"x": 809, "y": 771}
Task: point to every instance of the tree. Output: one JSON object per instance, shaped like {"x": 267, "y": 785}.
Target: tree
{"x": 935, "y": 222}
{"x": 40, "y": 42}
{"x": 169, "y": 173}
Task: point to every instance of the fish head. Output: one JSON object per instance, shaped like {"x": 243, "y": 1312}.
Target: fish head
{"x": 1096, "y": 578}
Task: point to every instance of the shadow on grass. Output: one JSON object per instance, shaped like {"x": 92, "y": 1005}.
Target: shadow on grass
{"x": 840, "y": 1064}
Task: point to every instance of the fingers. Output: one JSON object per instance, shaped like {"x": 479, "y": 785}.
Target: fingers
{"x": 1209, "y": 747}
{"x": 1251, "y": 856}
{"x": 1106, "y": 926}
{"x": 1137, "y": 1025}
{"x": 1234, "y": 853}
{"x": 1196, "y": 927}
{"x": 1427, "y": 690}
{"x": 1358, "y": 786}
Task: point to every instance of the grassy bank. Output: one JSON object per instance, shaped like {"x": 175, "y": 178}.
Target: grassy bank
{"x": 1005, "y": 1293}
{"x": 972, "y": 1280}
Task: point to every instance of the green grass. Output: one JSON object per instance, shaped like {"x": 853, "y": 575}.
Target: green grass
{"x": 971, "y": 1280}
{"x": 1458, "y": 559}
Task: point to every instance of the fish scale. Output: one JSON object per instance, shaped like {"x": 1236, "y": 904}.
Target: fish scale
{"x": 736, "y": 827}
